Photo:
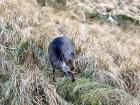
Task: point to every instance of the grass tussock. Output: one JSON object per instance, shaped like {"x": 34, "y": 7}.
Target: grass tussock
{"x": 84, "y": 91}
{"x": 29, "y": 88}
{"x": 106, "y": 36}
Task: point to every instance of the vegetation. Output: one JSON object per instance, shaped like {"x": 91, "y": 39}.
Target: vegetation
{"x": 106, "y": 38}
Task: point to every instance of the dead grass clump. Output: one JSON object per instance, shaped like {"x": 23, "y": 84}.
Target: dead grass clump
{"x": 29, "y": 88}
{"x": 131, "y": 81}
{"x": 109, "y": 78}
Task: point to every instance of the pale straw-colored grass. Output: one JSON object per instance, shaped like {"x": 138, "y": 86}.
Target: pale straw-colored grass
{"x": 113, "y": 51}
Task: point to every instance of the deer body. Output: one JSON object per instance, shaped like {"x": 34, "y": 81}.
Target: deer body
{"x": 60, "y": 51}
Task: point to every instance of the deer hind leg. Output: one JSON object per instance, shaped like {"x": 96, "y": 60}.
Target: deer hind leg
{"x": 53, "y": 74}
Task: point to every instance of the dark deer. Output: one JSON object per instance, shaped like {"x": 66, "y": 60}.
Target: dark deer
{"x": 60, "y": 52}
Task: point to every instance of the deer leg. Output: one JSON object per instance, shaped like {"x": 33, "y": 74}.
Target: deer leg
{"x": 72, "y": 76}
{"x": 66, "y": 70}
{"x": 53, "y": 74}
{"x": 63, "y": 74}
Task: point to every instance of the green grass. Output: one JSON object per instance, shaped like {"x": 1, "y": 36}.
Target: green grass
{"x": 120, "y": 19}
{"x": 84, "y": 91}
{"x": 88, "y": 92}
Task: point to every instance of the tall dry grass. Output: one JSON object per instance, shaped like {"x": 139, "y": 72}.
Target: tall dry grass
{"x": 106, "y": 52}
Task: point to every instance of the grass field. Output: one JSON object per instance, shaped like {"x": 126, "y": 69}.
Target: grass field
{"x": 106, "y": 34}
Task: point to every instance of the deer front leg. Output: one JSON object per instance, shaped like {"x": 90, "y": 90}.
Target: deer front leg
{"x": 72, "y": 76}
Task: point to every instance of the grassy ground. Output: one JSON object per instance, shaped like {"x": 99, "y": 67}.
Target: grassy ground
{"x": 107, "y": 44}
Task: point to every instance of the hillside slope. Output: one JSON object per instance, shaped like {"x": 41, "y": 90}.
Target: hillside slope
{"x": 106, "y": 34}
